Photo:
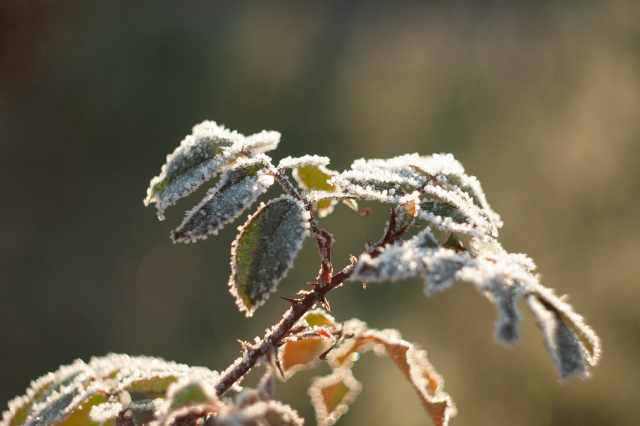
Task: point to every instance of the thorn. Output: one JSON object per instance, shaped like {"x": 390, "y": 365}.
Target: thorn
{"x": 364, "y": 284}
{"x": 277, "y": 362}
{"x": 353, "y": 258}
{"x": 368, "y": 242}
{"x": 289, "y": 299}
{"x": 325, "y": 303}
{"x": 323, "y": 355}
{"x": 245, "y": 345}
{"x": 310, "y": 283}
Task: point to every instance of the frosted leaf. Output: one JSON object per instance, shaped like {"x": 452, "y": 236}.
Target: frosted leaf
{"x": 312, "y": 176}
{"x": 410, "y": 258}
{"x": 454, "y": 211}
{"x": 451, "y": 200}
{"x": 56, "y": 396}
{"x": 82, "y": 414}
{"x": 190, "y": 391}
{"x": 382, "y": 186}
{"x": 320, "y": 196}
{"x": 586, "y": 337}
{"x": 304, "y": 161}
{"x": 301, "y": 354}
{"x": 238, "y": 188}
{"x": 331, "y": 395}
{"x": 441, "y": 270}
{"x": 505, "y": 296}
{"x": 265, "y": 249}
{"x": 318, "y": 317}
{"x": 104, "y": 412}
{"x": 414, "y": 364}
{"x": 409, "y": 358}
{"x": 249, "y": 410}
{"x": 199, "y": 157}
{"x": 18, "y": 411}
{"x": 185, "y": 393}
{"x": 503, "y": 277}
{"x": 449, "y": 174}
{"x": 558, "y": 339}
{"x": 266, "y": 140}
{"x": 154, "y": 375}
{"x": 59, "y": 406}
{"x": 445, "y": 210}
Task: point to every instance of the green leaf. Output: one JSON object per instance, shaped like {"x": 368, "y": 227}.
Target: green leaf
{"x": 265, "y": 249}
{"x": 318, "y": 317}
{"x": 190, "y": 393}
{"x": 239, "y": 186}
{"x": 81, "y": 416}
{"x": 198, "y": 158}
{"x": 444, "y": 210}
{"x": 153, "y": 385}
{"x": 314, "y": 178}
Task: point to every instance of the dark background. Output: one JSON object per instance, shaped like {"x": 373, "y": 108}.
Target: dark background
{"x": 540, "y": 101}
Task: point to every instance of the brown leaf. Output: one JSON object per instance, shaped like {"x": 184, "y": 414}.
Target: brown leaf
{"x": 332, "y": 394}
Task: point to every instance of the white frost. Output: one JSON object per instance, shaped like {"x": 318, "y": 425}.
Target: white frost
{"x": 199, "y": 157}
{"x": 304, "y": 161}
{"x": 281, "y": 226}
{"x": 238, "y": 188}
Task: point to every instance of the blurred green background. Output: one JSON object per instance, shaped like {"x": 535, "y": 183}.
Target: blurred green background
{"x": 539, "y": 100}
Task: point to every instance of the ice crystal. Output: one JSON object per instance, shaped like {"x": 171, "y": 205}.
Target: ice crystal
{"x": 265, "y": 249}
{"x": 304, "y": 161}
{"x": 264, "y": 141}
{"x": 106, "y": 411}
{"x": 238, "y": 188}
{"x": 199, "y": 157}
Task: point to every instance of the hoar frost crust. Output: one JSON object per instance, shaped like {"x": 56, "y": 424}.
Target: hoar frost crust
{"x": 304, "y": 161}
{"x": 100, "y": 391}
{"x": 265, "y": 249}
{"x": 451, "y": 200}
{"x": 199, "y": 157}
{"x": 55, "y": 396}
{"x": 504, "y": 278}
{"x": 238, "y": 188}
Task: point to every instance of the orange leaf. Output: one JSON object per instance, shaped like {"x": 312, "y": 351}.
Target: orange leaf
{"x": 332, "y": 394}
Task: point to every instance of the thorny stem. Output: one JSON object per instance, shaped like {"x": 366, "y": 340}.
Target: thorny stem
{"x": 326, "y": 283}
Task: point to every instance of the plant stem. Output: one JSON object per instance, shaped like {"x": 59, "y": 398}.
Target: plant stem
{"x": 271, "y": 340}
